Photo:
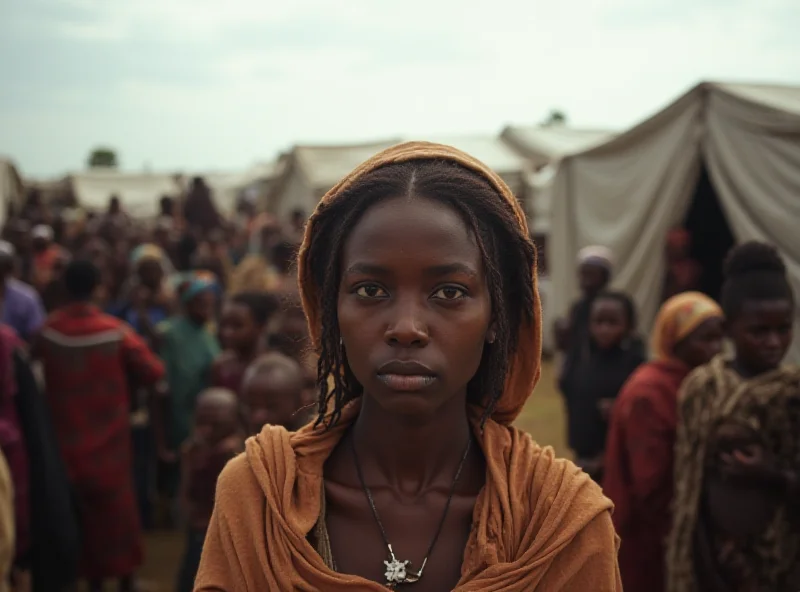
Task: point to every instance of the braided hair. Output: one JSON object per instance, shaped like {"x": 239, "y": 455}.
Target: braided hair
{"x": 509, "y": 258}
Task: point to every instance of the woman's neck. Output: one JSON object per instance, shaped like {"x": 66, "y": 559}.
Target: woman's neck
{"x": 411, "y": 455}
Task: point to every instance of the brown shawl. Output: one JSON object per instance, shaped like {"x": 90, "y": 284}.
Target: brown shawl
{"x": 540, "y": 523}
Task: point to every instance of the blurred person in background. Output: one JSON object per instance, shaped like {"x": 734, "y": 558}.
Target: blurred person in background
{"x": 88, "y": 358}
{"x": 45, "y": 255}
{"x": 683, "y": 272}
{"x": 15, "y": 449}
{"x": 737, "y": 458}
{"x": 22, "y": 307}
{"x": 216, "y": 438}
{"x": 188, "y": 350}
{"x": 273, "y": 393}
{"x": 595, "y": 267}
{"x": 6, "y": 524}
{"x": 639, "y": 455}
{"x": 242, "y": 332}
{"x": 199, "y": 211}
{"x": 591, "y": 387}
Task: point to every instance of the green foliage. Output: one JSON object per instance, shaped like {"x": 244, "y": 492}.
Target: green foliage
{"x": 103, "y": 158}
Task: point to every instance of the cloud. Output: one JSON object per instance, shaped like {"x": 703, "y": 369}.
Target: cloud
{"x": 209, "y": 84}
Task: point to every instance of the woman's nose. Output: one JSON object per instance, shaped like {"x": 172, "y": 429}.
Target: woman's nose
{"x": 407, "y": 327}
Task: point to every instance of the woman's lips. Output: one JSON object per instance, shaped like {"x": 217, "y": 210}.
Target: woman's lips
{"x": 406, "y": 382}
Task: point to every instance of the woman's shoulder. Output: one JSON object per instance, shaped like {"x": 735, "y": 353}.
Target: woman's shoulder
{"x": 546, "y": 479}
{"x": 235, "y": 483}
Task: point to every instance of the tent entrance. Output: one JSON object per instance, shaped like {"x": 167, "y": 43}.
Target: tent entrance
{"x": 710, "y": 234}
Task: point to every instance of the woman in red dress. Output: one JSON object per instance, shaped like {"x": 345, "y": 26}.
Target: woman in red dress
{"x": 88, "y": 358}
{"x": 639, "y": 453}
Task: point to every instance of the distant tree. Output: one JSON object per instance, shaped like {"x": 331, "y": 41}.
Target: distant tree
{"x": 103, "y": 158}
{"x": 555, "y": 117}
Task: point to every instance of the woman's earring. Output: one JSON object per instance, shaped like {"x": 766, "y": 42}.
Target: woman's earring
{"x": 490, "y": 338}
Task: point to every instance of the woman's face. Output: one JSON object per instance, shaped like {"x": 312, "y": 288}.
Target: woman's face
{"x": 701, "y": 345}
{"x": 762, "y": 332}
{"x": 414, "y": 308}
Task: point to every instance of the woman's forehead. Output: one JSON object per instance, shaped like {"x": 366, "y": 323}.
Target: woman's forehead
{"x": 411, "y": 228}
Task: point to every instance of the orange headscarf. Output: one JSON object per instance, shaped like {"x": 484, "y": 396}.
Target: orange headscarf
{"x": 677, "y": 318}
{"x": 539, "y": 522}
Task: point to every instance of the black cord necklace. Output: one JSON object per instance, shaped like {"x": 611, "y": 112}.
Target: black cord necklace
{"x": 399, "y": 572}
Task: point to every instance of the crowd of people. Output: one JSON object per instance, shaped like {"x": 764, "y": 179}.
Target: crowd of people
{"x": 155, "y": 348}
{"x": 327, "y": 403}
{"x": 698, "y": 448}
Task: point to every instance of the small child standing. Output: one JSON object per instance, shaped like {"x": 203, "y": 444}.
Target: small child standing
{"x": 272, "y": 393}
{"x": 215, "y": 440}
{"x": 242, "y": 333}
{"x": 611, "y": 355}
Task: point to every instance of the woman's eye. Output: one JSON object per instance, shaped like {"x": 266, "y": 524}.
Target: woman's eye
{"x": 449, "y": 293}
{"x": 371, "y": 291}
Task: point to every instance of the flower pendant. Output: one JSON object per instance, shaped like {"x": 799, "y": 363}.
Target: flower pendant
{"x": 397, "y": 572}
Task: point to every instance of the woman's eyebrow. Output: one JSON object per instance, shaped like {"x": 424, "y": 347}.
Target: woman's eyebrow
{"x": 367, "y": 269}
{"x": 450, "y": 268}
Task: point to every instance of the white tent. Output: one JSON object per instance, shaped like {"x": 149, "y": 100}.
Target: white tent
{"x": 543, "y": 144}
{"x": 628, "y": 192}
{"x": 306, "y": 173}
{"x": 11, "y": 188}
{"x": 139, "y": 192}
{"x": 226, "y": 187}
{"x": 494, "y": 153}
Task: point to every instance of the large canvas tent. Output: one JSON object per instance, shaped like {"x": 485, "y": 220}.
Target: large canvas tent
{"x": 11, "y": 188}
{"x": 497, "y": 155}
{"x": 306, "y": 173}
{"x": 228, "y": 187}
{"x": 724, "y": 157}
{"x": 543, "y": 144}
{"x": 139, "y": 192}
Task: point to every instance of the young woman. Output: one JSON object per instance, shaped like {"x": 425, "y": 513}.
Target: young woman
{"x": 737, "y": 455}
{"x": 592, "y": 386}
{"x": 639, "y": 452}
{"x": 418, "y": 279}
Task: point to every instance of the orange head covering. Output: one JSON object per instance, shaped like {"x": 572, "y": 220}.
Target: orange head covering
{"x": 539, "y": 523}
{"x": 678, "y": 317}
{"x": 525, "y": 368}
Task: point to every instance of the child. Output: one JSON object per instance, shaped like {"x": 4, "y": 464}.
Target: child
{"x": 273, "y": 392}
{"x": 737, "y": 454}
{"x": 188, "y": 350}
{"x": 611, "y": 355}
{"x": 215, "y": 440}
{"x": 244, "y": 320}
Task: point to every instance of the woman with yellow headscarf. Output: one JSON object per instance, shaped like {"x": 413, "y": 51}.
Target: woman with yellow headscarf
{"x": 418, "y": 281}
{"x": 639, "y": 454}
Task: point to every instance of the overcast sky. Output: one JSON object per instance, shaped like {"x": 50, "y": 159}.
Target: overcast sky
{"x": 222, "y": 84}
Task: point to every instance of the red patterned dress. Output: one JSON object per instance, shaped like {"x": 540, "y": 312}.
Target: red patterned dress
{"x": 89, "y": 360}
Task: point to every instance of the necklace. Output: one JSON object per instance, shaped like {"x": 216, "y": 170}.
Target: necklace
{"x": 400, "y": 572}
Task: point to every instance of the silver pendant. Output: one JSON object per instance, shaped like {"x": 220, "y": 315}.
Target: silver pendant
{"x": 398, "y": 572}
